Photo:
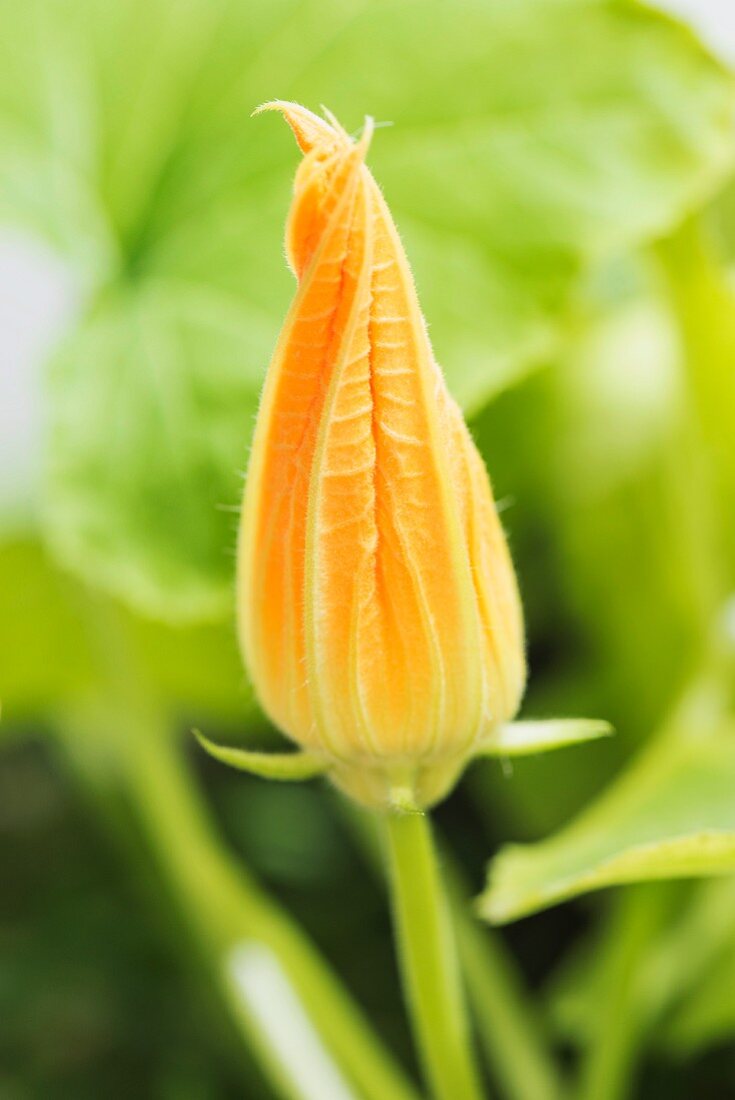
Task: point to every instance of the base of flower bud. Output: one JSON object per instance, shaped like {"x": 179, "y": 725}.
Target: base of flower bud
{"x": 391, "y": 785}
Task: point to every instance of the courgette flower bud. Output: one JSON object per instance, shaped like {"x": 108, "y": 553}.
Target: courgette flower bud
{"x": 378, "y": 610}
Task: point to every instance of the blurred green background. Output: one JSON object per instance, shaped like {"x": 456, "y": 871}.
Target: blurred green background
{"x": 561, "y": 173}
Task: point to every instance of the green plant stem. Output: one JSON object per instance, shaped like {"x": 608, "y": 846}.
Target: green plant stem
{"x": 308, "y": 1033}
{"x": 619, "y": 1026}
{"x": 702, "y": 299}
{"x": 225, "y": 900}
{"x": 231, "y": 914}
{"x": 428, "y": 960}
{"x": 506, "y": 1020}
{"x": 637, "y": 982}
{"x": 702, "y": 465}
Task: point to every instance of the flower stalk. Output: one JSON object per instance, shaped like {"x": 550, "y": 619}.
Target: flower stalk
{"x": 377, "y": 606}
{"x": 428, "y": 960}
{"x": 302, "y": 1025}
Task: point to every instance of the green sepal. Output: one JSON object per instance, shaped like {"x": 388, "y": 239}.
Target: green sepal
{"x": 533, "y": 736}
{"x": 286, "y": 766}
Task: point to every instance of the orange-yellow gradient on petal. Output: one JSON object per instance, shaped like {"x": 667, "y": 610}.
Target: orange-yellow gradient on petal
{"x": 378, "y": 610}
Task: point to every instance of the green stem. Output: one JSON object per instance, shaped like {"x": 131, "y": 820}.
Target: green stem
{"x": 619, "y": 1025}
{"x": 702, "y": 300}
{"x": 506, "y": 1022}
{"x": 252, "y": 943}
{"x": 702, "y": 466}
{"x": 312, "y": 1039}
{"x": 428, "y": 960}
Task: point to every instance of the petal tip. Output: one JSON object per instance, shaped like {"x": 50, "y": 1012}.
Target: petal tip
{"x": 308, "y": 129}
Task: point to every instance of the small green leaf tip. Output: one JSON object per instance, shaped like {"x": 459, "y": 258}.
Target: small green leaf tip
{"x": 285, "y": 766}
{"x": 526, "y": 738}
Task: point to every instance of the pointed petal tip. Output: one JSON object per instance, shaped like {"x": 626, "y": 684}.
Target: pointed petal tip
{"x": 308, "y": 129}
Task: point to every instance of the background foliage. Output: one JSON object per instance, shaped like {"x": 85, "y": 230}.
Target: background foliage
{"x": 561, "y": 173}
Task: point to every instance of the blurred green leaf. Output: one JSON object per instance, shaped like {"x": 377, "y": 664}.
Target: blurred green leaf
{"x": 597, "y": 527}
{"x": 537, "y": 167}
{"x": 618, "y": 393}
{"x": 510, "y": 171}
{"x": 152, "y": 401}
{"x": 50, "y": 652}
{"x": 624, "y": 510}
{"x": 672, "y": 814}
{"x": 45, "y": 655}
{"x": 196, "y": 671}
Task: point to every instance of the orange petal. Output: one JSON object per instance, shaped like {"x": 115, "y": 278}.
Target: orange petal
{"x": 378, "y": 609}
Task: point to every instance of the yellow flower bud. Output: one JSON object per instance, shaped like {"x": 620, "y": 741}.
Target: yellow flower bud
{"x": 378, "y": 610}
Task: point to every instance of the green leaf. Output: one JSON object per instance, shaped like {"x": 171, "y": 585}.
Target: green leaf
{"x": 529, "y": 737}
{"x": 50, "y": 656}
{"x": 671, "y": 815}
{"x": 152, "y": 402}
{"x": 510, "y": 171}
{"x": 45, "y": 655}
{"x": 536, "y": 167}
{"x": 288, "y": 766}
